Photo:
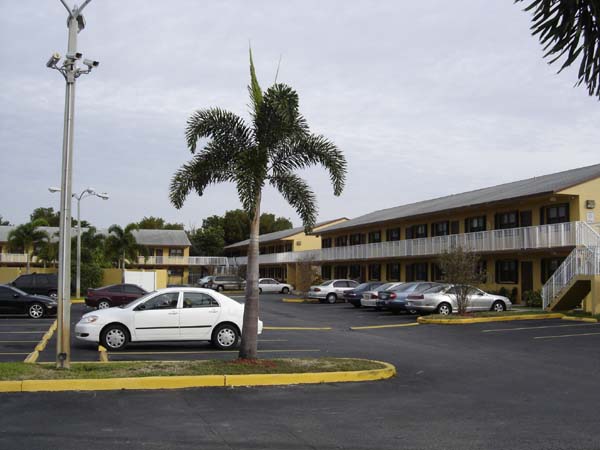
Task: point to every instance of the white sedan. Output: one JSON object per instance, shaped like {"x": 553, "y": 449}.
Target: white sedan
{"x": 270, "y": 285}
{"x": 172, "y": 314}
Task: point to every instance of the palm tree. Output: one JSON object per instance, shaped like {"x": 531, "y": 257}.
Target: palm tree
{"x": 27, "y": 238}
{"x": 48, "y": 250}
{"x": 122, "y": 245}
{"x": 269, "y": 151}
{"x": 569, "y": 28}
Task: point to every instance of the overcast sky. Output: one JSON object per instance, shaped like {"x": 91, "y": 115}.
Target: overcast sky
{"x": 424, "y": 98}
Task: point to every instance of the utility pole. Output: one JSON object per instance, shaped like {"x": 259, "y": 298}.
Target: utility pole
{"x": 70, "y": 72}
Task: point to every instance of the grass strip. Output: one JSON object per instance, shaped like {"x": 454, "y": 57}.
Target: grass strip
{"x": 475, "y": 315}
{"x": 21, "y": 371}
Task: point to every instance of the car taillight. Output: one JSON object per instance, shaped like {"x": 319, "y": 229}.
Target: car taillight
{"x": 317, "y": 290}
{"x": 392, "y": 296}
{"x": 416, "y": 297}
{"x": 374, "y": 296}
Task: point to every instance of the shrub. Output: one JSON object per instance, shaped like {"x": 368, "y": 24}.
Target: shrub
{"x": 532, "y": 298}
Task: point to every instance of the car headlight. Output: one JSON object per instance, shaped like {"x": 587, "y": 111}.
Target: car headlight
{"x": 89, "y": 319}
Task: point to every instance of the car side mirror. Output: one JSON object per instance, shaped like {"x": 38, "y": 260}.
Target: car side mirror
{"x": 140, "y": 307}
{"x": 480, "y": 294}
{"x": 16, "y": 295}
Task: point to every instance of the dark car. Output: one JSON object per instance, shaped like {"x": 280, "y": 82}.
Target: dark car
{"x": 15, "y": 301}
{"x": 353, "y": 296}
{"x": 37, "y": 283}
{"x": 113, "y": 295}
{"x": 395, "y": 300}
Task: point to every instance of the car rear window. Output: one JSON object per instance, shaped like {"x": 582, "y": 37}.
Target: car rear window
{"x": 435, "y": 289}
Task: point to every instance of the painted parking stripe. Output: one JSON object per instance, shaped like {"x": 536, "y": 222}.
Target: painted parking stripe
{"x": 23, "y": 332}
{"x": 213, "y": 352}
{"x": 566, "y": 335}
{"x": 297, "y": 328}
{"x": 15, "y": 342}
{"x": 14, "y": 354}
{"x": 538, "y": 328}
{"x": 394, "y": 325}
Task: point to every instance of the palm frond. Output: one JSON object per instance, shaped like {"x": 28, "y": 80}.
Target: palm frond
{"x": 305, "y": 151}
{"x": 223, "y": 127}
{"x": 254, "y": 88}
{"x": 569, "y": 29}
{"x": 298, "y": 194}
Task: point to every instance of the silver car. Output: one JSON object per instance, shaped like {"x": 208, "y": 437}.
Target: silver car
{"x": 442, "y": 299}
{"x": 266, "y": 285}
{"x": 370, "y": 299}
{"x": 331, "y": 290}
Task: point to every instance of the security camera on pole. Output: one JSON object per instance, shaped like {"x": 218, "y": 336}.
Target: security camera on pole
{"x": 70, "y": 72}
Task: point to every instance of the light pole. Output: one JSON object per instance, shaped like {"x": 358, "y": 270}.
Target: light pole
{"x": 70, "y": 71}
{"x": 85, "y": 193}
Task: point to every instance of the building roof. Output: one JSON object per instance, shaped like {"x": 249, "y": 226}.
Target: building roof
{"x": 167, "y": 238}
{"x": 546, "y": 184}
{"x": 278, "y": 235}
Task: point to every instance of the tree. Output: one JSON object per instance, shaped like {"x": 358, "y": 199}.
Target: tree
{"x": 207, "y": 241}
{"x": 462, "y": 269}
{"x": 48, "y": 250}
{"x": 270, "y": 150}
{"x": 568, "y": 29}
{"x": 27, "y": 238}
{"x": 4, "y": 222}
{"x": 236, "y": 226}
{"x": 306, "y": 274}
{"x": 93, "y": 258}
{"x": 51, "y": 217}
{"x": 270, "y": 224}
{"x": 122, "y": 246}
{"x": 158, "y": 223}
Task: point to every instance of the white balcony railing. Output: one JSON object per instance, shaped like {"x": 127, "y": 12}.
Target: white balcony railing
{"x": 182, "y": 261}
{"x": 567, "y": 234}
{"x": 13, "y": 258}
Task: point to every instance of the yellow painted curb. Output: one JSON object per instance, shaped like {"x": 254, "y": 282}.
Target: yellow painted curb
{"x": 182, "y": 382}
{"x": 41, "y": 346}
{"x": 425, "y": 320}
{"x": 77, "y": 300}
{"x": 580, "y": 319}
{"x": 297, "y": 328}
{"x": 103, "y": 355}
{"x": 299, "y": 300}
{"x": 395, "y": 325}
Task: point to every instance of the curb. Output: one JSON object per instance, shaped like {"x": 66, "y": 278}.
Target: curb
{"x": 394, "y": 325}
{"x": 425, "y": 320}
{"x": 40, "y": 347}
{"x": 182, "y": 382}
{"x": 580, "y": 319}
{"x": 299, "y": 300}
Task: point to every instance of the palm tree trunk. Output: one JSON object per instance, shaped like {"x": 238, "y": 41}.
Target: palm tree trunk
{"x": 248, "y": 348}
{"x": 123, "y": 269}
{"x": 28, "y": 258}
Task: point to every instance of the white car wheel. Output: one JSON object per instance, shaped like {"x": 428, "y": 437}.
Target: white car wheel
{"x": 285, "y": 290}
{"x": 114, "y": 337}
{"x": 498, "y": 306}
{"x": 331, "y": 298}
{"x": 445, "y": 309}
{"x": 103, "y": 304}
{"x": 36, "y": 311}
{"x": 225, "y": 337}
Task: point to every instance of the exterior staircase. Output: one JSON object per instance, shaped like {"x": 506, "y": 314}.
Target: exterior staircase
{"x": 572, "y": 281}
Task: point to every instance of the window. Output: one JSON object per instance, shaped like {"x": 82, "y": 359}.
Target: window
{"x": 475, "y": 224}
{"x": 326, "y": 272}
{"x": 416, "y": 231}
{"x": 357, "y": 239}
{"x": 393, "y": 272}
{"x": 482, "y": 270}
{"x": 341, "y": 241}
{"x": 440, "y": 228}
{"x": 507, "y": 220}
{"x": 374, "y": 272}
{"x": 130, "y": 289}
{"x": 175, "y": 252}
{"x": 354, "y": 272}
{"x": 198, "y": 300}
{"x": 393, "y": 234}
{"x": 554, "y": 214}
{"x": 6, "y": 293}
{"x": 288, "y": 246}
{"x": 162, "y": 301}
{"x": 525, "y": 218}
{"x": 341, "y": 271}
{"x": 374, "y": 237}
{"x": 507, "y": 271}
{"x": 416, "y": 272}
{"x": 115, "y": 288}
{"x": 454, "y": 227}
{"x": 326, "y": 243}
{"x": 436, "y": 273}
{"x": 549, "y": 266}
{"x": 177, "y": 272}
{"x": 340, "y": 284}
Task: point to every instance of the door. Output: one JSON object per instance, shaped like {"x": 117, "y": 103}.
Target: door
{"x": 526, "y": 276}
{"x": 157, "y": 319}
{"x": 9, "y": 304}
{"x": 269, "y": 285}
{"x": 198, "y": 316}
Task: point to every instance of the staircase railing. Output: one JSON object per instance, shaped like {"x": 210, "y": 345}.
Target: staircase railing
{"x": 583, "y": 260}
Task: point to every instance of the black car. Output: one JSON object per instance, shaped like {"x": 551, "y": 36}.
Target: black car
{"x": 353, "y": 296}
{"x": 37, "y": 283}
{"x": 395, "y": 300}
{"x": 15, "y": 301}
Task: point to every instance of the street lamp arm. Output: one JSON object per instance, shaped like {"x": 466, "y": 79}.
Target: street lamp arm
{"x": 67, "y": 7}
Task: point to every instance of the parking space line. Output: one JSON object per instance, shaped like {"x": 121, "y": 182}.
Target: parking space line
{"x": 566, "y": 335}
{"x": 211, "y": 352}
{"x": 297, "y": 328}
{"x": 393, "y": 325}
{"x": 22, "y": 332}
{"x": 15, "y": 342}
{"x": 538, "y": 328}
{"x": 14, "y": 353}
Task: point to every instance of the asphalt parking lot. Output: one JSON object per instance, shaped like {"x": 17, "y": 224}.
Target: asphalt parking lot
{"x": 519, "y": 385}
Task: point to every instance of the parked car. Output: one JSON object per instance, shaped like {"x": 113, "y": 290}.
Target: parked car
{"x": 15, "y": 301}
{"x": 37, "y": 283}
{"x": 442, "y": 299}
{"x": 353, "y": 296}
{"x": 172, "y": 314}
{"x": 205, "y": 281}
{"x": 395, "y": 299}
{"x": 226, "y": 282}
{"x": 113, "y": 295}
{"x": 331, "y": 290}
{"x": 370, "y": 299}
{"x": 270, "y": 285}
